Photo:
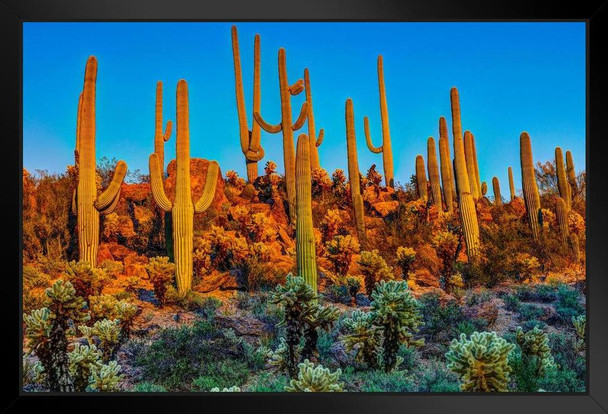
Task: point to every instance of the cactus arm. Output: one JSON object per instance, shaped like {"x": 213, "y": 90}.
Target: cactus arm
{"x": 168, "y": 129}
{"x": 320, "y": 137}
{"x": 74, "y": 203}
{"x": 240, "y": 98}
{"x": 301, "y": 118}
{"x": 256, "y": 135}
{"x": 255, "y": 156}
{"x": 297, "y": 87}
{"x": 156, "y": 182}
{"x": 107, "y": 197}
{"x": 368, "y": 138}
{"x": 272, "y": 129}
{"x": 110, "y": 209}
{"x": 204, "y": 202}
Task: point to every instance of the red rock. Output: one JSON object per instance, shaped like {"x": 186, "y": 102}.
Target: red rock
{"x": 104, "y": 253}
{"x": 119, "y": 252}
{"x": 215, "y": 281}
{"x": 198, "y": 174}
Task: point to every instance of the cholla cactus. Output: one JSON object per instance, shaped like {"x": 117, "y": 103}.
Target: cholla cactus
{"x": 405, "y": 258}
{"x": 374, "y": 269}
{"x": 316, "y": 317}
{"x": 107, "y": 333}
{"x": 535, "y": 344}
{"x": 86, "y": 279}
{"x": 579, "y": 323}
{"x": 281, "y": 357}
{"x": 258, "y": 229}
{"x": 83, "y": 360}
{"x": 481, "y": 362}
{"x": 396, "y": 311}
{"x": 364, "y": 336}
{"x": 106, "y": 377}
{"x": 315, "y": 379}
{"x": 103, "y": 307}
{"x": 354, "y": 285}
{"x": 446, "y": 246}
{"x": 340, "y": 251}
{"x": 332, "y": 225}
{"x": 125, "y": 313}
{"x": 161, "y": 273}
{"x": 234, "y": 388}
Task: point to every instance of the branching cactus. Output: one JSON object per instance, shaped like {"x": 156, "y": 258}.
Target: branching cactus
{"x": 288, "y": 128}
{"x": 250, "y": 139}
{"x": 315, "y": 379}
{"x": 531, "y": 197}
{"x": 466, "y": 204}
{"x": 475, "y": 163}
{"x": 561, "y": 214}
{"x": 88, "y": 204}
{"x": 434, "y": 173}
{"x": 181, "y": 207}
{"x": 385, "y": 148}
{"x": 570, "y": 172}
{"x": 421, "y": 183}
{"x": 353, "y": 174}
{"x": 496, "y": 188}
{"x": 470, "y": 159}
{"x": 315, "y": 142}
{"x": 446, "y": 165}
{"x": 511, "y": 184}
{"x": 305, "y": 237}
{"x": 562, "y": 180}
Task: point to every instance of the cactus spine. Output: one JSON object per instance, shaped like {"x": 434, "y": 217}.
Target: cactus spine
{"x": 562, "y": 181}
{"x": 496, "y": 188}
{"x": 434, "y": 173}
{"x": 289, "y": 155}
{"x": 250, "y": 140}
{"x": 561, "y": 214}
{"x": 421, "y": 183}
{"x": 468, "y": 214}
{"x": 446, "y": 165}
{"x": 470, "y": 160}
{"x": 182, "y": 208}
{"x": 88, "y": 203}
{"x": 353, "y": 174}
{"x": 305, "y": 237}
{"x": 312, "y": 134}
{"x": 530, "y": 189}
{"x": 511, "y": 184}
{"x": 385, "y": 148}
{"x": 571, "y": 173}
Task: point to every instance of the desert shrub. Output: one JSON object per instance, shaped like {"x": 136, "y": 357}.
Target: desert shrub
{"x": 568, "y": 303}
{"x": 268, "y": 382}
{"x": 338, "y": 293}
{"x": 512, "y": 302}
{"x": 446, "y": 246}
{"x": 481, "y": 362}
{"x": 226, "y": 250}
{"x": 86, "y": 280}
{"x": 34, "y": 278}
{"x": 313, "y": 378}
{"x": 374, "y": 269}
{"x": 530, "y": 311}
{"x": 257, "y": 271}
{"x": 320, "y": 182}
{"x": 112, "y": 268}
{"x": 478, "y": 297}
{"x": 258, "y": 228}
{"x": 439, "y": 319}
{"x": 161, "y": 273}
{"x": 221, "y": 374}
{"x": 340, "y": 250}
{"x": 148, "y": 387}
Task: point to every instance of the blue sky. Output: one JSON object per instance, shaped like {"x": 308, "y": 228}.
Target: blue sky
{"x": 511, "y": 77}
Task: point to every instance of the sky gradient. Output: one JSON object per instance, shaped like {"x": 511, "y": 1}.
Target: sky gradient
{"x": 511, "y": 77}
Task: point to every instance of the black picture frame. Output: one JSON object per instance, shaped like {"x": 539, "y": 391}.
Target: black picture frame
{"x": 14, "y": 12}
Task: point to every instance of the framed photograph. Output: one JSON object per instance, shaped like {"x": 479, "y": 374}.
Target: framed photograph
{"x": 372, "y": 207}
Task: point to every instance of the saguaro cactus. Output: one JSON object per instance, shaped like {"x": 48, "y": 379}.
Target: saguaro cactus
{"x": 496, "y": 188}
{"x": 250, "y": 139}
{"x": 484, "y": 189}
{"x": 446, "y": 165}
{"x": 182, "y": 208}
{"x": 562, "y": 180}
{"x": 315, "y": 142}
{"x": 88, "y": 203}
{"x": 561, "y": 214}
{"x": 470, "y": 160}
{"x": 421, "y": 183}
{"x": 475, "y": 163}
{"x": 511, "y": 184}
{"x": 385, "y": 148}
{"x": 530, "y": 189}
{"x": 305, "y": 237}
{"x": 571, "y": 173}
{"x": 288, "y": 128}
{"x": 353, "y": 174}
{"x": 468, "y": 214}
{"x": 434, "y": 173}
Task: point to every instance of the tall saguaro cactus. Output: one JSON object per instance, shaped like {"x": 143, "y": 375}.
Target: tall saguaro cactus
{"x": 353, "y": 174}
{"x": 561, "y": 214}
{"x": 315, "y": 142}
{"x": 562, "y": 180}
{"x": 286, "y": 126}
{"x": 88, "y": 203}
{"x": 434, "y": 173}
{"x": 511, "y": 184}
{"x": 530, "y": 189}
{"x": 421, "y": 183}
{"x": 475, "y": 163}
{"x": 305, "y": 238}
{"x": 446, "y": 165}
{"x": 470, "y": 159}
{"x": 466, "y": 204}
{"x": 571, "y": 173}
{"x": 385, "y": 148}
{"x": 182, "y": 207}
{"x": 250, "y": 139}
{"x": 496, "y": 188}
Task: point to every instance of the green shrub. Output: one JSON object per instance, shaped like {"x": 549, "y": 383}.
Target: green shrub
{"x": 221, "y": 374}
{"x": 568, "y": 303}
